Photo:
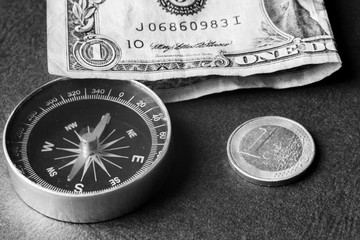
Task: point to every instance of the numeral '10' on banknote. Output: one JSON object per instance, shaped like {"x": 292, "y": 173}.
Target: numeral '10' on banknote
{"x": 189, "y": 48}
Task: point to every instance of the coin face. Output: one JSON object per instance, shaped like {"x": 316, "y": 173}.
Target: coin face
{"x": 270, "y": 151}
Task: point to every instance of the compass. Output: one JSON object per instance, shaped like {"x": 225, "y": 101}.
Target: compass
{"x": 88, "y": 150}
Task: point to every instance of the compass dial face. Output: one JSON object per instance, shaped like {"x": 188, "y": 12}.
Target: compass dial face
{"x": 88, "y": 136}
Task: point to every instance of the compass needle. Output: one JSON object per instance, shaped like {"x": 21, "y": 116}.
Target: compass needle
{"x": 99, "y": 129}
{"x": 108, "y": 140}
{"x": 79, "y": 162}
{"x": 86, "y": 167}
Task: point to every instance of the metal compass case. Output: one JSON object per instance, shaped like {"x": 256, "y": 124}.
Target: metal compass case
{"x": 88, "y": 150}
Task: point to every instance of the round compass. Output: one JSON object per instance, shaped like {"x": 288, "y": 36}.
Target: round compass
{"x": 88, "y": 150}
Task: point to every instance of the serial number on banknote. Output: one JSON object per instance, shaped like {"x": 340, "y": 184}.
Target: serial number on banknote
{"x": 188, "y": 26}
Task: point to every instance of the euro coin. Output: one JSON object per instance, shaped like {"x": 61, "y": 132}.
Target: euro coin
{"x": 270, "y": 151}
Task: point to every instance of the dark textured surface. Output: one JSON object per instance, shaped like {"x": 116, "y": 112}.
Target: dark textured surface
{"x": 204, "y": 198}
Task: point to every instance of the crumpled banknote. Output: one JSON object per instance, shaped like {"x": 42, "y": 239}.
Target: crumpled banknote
{"x": 184, "y": 49}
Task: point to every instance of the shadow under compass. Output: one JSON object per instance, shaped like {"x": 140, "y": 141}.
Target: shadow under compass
{"x": 178, "y": 169}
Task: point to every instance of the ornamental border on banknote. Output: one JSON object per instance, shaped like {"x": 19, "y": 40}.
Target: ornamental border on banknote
{"x": 83, "y": 34}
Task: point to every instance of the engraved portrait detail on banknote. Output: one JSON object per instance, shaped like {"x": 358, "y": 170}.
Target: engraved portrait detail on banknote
{"x": 182, "y": 7}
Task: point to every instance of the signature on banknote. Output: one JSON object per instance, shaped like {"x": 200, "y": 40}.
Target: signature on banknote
{"x": 178, "y": 46}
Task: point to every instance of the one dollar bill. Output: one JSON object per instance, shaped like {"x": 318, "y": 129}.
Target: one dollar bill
{"x": 185, "y": 49}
